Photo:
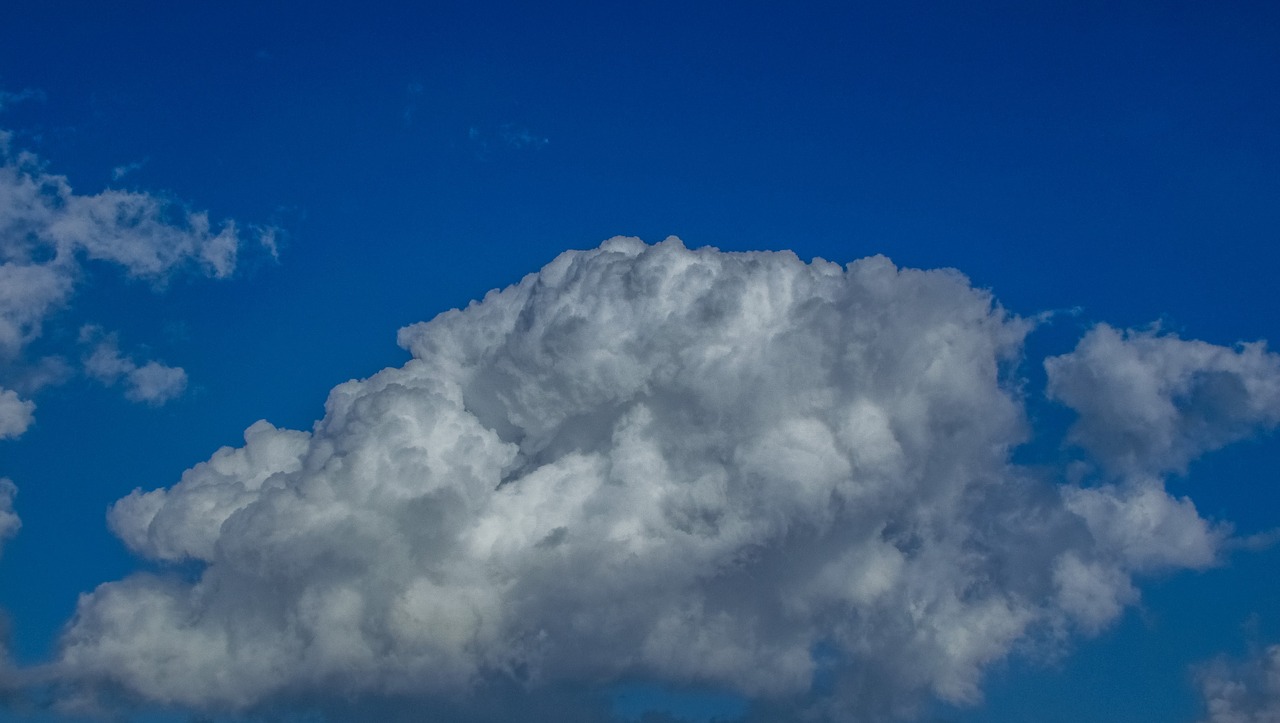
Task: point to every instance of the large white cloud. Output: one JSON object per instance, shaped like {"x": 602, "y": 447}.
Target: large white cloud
{"x": 686, "y": 466}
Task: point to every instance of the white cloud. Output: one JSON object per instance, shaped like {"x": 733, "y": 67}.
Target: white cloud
{"x": 16, "y": 414}
{"x": 1150, "y": 403}
{"x": 1246, "y": 692}
{"x": 47, "y": 230}
{"x": 152, "y": 383}
{"x": 688, "y": 466}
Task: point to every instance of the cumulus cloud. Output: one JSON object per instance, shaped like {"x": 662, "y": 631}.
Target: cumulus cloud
{"x": 1242, "y": 692}
{"x": 650, "y": 462}
{"x": 152, "y": 383}
{"x": 1151, "y": 403}
{"x": 16, "y": 414}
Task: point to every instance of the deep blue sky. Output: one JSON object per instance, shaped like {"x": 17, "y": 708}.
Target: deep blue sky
{"x": 1118, "y": 157}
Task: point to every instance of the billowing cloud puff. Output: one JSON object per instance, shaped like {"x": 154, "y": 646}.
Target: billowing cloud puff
{"x": 1151, "y": 403}
{"x": 15, "y": 414}
{"x": 737, "y": 470}
{"x": 1247, "y": 692}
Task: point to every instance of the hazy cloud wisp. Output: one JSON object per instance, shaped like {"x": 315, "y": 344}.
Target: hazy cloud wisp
{"x": 48, "y": 232}
{"x": 151, "y": 382}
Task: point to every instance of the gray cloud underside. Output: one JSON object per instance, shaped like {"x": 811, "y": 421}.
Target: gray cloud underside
{"x": 684, "y": 466}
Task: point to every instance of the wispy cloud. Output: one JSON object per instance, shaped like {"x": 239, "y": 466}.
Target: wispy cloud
{"x": 151, "y": 382}
{"x": 123, "y": 170}
{"x": 507, "y": 138}
{"x": 47, "y": 233}
{"x": 10, "y": 97}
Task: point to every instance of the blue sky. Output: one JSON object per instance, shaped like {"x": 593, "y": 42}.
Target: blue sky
{"x": 1109, "y": 162}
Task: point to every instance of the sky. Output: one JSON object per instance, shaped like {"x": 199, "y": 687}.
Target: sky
{"x": 949, "y": 400}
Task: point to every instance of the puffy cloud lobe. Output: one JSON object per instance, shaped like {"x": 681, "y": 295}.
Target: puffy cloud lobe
{"x": 688, "y": 466}
{"x": 1150, "y": 403}
{"x": 1247, "y": 692}
{"x": 16, "y": 414}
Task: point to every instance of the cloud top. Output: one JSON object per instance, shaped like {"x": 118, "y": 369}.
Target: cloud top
{"x": 648, "y": 461}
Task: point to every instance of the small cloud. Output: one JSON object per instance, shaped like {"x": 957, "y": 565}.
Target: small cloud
{"x": 16, "y": 414}
{"x": 1151, "y": 402}
{"x": 151, "y": 383}
{"x": 9, "y": 98}
{"x": 509, "y": 137}
{"x": 154, "y": 383}
{"x": 123, "y": 170}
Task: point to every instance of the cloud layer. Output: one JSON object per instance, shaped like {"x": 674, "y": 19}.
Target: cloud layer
{"x": 737, "y": 470}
